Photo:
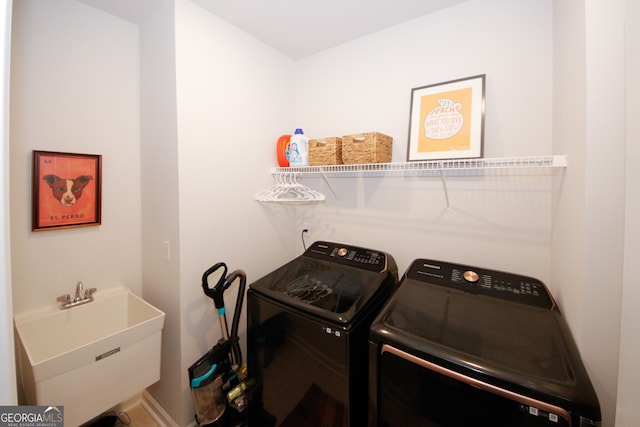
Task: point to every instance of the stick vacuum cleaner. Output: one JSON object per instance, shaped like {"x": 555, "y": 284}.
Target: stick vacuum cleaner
{"x": 214, "y": 378}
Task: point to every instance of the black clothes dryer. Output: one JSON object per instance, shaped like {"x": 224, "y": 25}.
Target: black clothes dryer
{"x": 465, "y": 346}
{"x": 308, "y": 328}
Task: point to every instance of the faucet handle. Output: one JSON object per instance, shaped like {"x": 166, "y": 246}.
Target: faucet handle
{"x": 66, "y": 299}
{"x": 88, "y": 293}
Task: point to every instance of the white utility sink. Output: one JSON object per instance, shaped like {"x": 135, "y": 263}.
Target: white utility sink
{"x": 91, "y": 357}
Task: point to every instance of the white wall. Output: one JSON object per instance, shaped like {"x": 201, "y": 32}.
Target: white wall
{"x": 629, "y": 377}
{"x": 214, "y": 102}
{"x": 502, "y": 222}
{"x": 589, "y": 123}
{"x": 599, "y": 333}
{"x": 235, "y": 95}
{"x": 8, "y": 393}
{"x": 74, "y": 88}
{"x": 159, "y": 173}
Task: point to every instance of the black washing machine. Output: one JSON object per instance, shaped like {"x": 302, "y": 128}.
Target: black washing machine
{"x": 308, "y": 327}
{"x": 465, "y": 346}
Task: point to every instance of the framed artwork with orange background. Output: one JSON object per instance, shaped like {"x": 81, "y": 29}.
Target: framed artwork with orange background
{"x": 447, "y": 120}
{"x": 67, "y": 190}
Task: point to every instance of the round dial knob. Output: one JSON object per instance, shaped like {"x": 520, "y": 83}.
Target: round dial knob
{"x": 342, "y": 251}
{"x": 471, "y": 276}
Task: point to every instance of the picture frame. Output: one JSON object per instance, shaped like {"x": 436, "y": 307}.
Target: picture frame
{"x": 447, "y": 120}
{"x": 66, "y": 190}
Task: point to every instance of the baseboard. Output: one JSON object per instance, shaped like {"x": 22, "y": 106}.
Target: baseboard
{"x": 159, "y": 415}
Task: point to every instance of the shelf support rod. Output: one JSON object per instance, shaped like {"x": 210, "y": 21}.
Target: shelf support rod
{"x": 324, "y": 176}
{"x": 446, "y": 192}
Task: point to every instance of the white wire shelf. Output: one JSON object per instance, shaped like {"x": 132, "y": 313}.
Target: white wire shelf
{"x": 425, "y": 167}
{"x": 286, "y": 177}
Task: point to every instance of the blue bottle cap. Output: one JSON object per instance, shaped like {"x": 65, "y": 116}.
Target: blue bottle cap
{"x": 299, "y": 131}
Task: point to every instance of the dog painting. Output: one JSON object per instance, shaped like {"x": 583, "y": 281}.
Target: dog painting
{"x": 66, "y": 190}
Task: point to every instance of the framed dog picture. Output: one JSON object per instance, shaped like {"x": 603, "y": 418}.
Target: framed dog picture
{"x": 447, "y": 120}
{"x": 67, "y": 190}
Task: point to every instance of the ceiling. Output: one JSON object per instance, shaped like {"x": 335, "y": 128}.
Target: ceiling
{"x": 297, "y": 28}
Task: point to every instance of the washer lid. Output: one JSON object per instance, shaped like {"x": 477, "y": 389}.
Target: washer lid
{"x": 332, "y": 281}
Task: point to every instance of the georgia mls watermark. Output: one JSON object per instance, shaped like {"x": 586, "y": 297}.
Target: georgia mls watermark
{"x": 31, "y": 416}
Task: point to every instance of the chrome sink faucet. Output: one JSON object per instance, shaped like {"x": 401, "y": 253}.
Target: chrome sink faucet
{"x": 79, "y": 299}
{"x": 78, "y": 290}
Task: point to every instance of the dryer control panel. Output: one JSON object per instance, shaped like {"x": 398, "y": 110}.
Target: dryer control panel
{"x": 353, "y": 256}
{"x": 496, "y": 284}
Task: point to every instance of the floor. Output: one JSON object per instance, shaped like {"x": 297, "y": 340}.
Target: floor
{"x": 140, "y": 417}
{"x": 135, "y": 416}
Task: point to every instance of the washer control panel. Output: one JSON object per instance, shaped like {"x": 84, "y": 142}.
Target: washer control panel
{"x": 354, "y": 256}
{"x": 497, "y": 284}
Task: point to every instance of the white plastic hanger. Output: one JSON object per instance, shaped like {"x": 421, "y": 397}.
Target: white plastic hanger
{"x": 288, "y": 190}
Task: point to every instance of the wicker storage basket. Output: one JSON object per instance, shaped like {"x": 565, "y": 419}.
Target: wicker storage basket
{"x": 371, "y": 147}
{"x": 325, "y": 151}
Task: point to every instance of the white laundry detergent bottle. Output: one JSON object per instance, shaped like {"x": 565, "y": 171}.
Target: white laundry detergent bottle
{"x": 298, "y": 149}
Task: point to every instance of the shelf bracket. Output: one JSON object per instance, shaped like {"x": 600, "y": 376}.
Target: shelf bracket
{"x": 324, "y": 177}
{"x": 446, "y": 192}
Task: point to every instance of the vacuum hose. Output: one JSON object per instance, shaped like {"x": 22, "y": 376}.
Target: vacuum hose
{"x": 233, "y": 337}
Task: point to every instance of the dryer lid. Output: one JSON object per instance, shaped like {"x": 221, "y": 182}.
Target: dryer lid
{"x": 488, "y": 334}
{"x": 503, "y": 336}
{"x": 484, "y": 318}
